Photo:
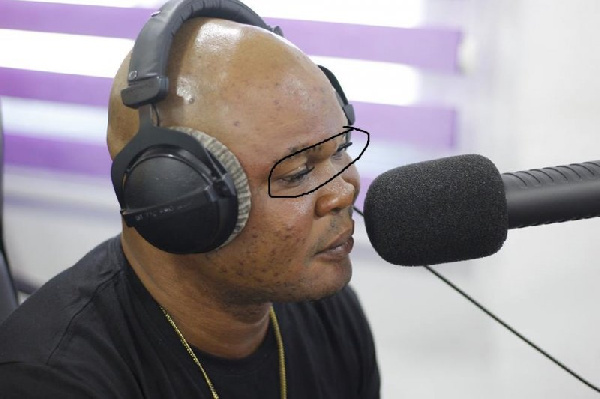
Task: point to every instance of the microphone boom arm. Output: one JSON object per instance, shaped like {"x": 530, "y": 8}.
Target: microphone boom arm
{"x": 543, "y": 196}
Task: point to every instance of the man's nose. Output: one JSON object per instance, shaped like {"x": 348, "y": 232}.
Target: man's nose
{"x": 338, "y": 194}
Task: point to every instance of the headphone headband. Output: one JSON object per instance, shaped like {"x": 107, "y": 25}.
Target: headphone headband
{"x": 181, "y": 189}
{"x": 148, "y": 81}
{"x": 339, "y": 92}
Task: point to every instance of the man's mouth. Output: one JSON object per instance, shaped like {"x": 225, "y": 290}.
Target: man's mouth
{"x": 340, "y": 247}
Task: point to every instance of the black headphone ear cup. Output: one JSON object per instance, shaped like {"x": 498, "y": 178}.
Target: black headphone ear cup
{"x": 180, "y": 206}
{"x": 159, "y": 179}
{"x": 235, "y": 171}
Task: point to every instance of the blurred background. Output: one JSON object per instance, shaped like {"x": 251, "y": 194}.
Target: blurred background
{"x": 514, "y": 80}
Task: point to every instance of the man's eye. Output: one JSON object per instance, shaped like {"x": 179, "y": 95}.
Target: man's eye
{"x": 341, "y": 149}
{"x": 297, "y": 177}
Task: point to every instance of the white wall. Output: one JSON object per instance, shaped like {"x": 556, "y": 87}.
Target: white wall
{"x": 529, "y": 98}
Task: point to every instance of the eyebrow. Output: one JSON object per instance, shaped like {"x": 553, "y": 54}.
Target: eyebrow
{"x": 303, "y": 146}
{"x": 296, "y": 148}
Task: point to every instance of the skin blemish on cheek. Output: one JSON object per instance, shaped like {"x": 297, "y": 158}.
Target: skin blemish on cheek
{"x": 236, "y": 123}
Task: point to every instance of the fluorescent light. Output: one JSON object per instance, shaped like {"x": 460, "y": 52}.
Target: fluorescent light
{"x": 54, "y": 120}
{"x": 374, "y": 82}
{"x": 62, "y": 53}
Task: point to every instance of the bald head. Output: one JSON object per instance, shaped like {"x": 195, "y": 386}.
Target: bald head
{"x": 262, "y": 98}
{"x": 218, "y": 71}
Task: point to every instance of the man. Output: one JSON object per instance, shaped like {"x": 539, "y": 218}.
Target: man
{"x": 132, "y": 321}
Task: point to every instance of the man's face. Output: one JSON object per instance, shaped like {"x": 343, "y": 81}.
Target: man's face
{"x": 291, "y": 248}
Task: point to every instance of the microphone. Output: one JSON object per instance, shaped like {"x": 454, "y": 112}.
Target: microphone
{"x": 459, "y": 208}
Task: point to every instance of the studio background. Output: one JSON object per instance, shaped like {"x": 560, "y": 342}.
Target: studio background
{"x": 514, "y": 80}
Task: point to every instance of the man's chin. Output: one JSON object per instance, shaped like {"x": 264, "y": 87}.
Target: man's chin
{"x": 328, "y": 293}
{"x": 329, "y": 284}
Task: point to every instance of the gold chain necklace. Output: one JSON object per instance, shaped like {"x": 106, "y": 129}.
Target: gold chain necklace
{"x": 209, "y": 382}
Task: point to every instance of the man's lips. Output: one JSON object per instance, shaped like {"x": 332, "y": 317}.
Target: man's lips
{"x": 340, "y": 246}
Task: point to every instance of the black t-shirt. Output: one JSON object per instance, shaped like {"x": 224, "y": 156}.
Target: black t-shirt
{"x": 94, "y": 331}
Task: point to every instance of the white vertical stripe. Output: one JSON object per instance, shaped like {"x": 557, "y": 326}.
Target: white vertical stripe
{"x": 374, "y": 82}
{"x": 62, "y": 53}
{"x": 49, "y": 119}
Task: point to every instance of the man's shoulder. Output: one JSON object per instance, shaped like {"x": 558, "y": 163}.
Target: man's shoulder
{"x": 34, "y": 331}
{"x": 33, "y": 380}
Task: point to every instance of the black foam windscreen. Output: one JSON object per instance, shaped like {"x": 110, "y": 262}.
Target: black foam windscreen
{"x": 439, "y": 211}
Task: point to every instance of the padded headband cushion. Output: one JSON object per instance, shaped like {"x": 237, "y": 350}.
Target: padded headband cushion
{"x": 233, "y": 166}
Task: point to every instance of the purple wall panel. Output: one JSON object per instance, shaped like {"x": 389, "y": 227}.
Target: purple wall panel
{"x": 48, "y": 86}
{"x": 427, "y": 48}
{"x": 423, "y": 126}
{"x": 427, "y": 127}
{"x": 57, "y": 155}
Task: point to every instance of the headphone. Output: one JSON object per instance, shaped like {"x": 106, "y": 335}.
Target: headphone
{"x": 181, "y": 189}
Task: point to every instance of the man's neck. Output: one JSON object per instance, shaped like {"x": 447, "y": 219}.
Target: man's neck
{"x": 206, "y": 321}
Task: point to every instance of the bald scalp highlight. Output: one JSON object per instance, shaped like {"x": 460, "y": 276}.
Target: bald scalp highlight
{"x": 213, "y": 63}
